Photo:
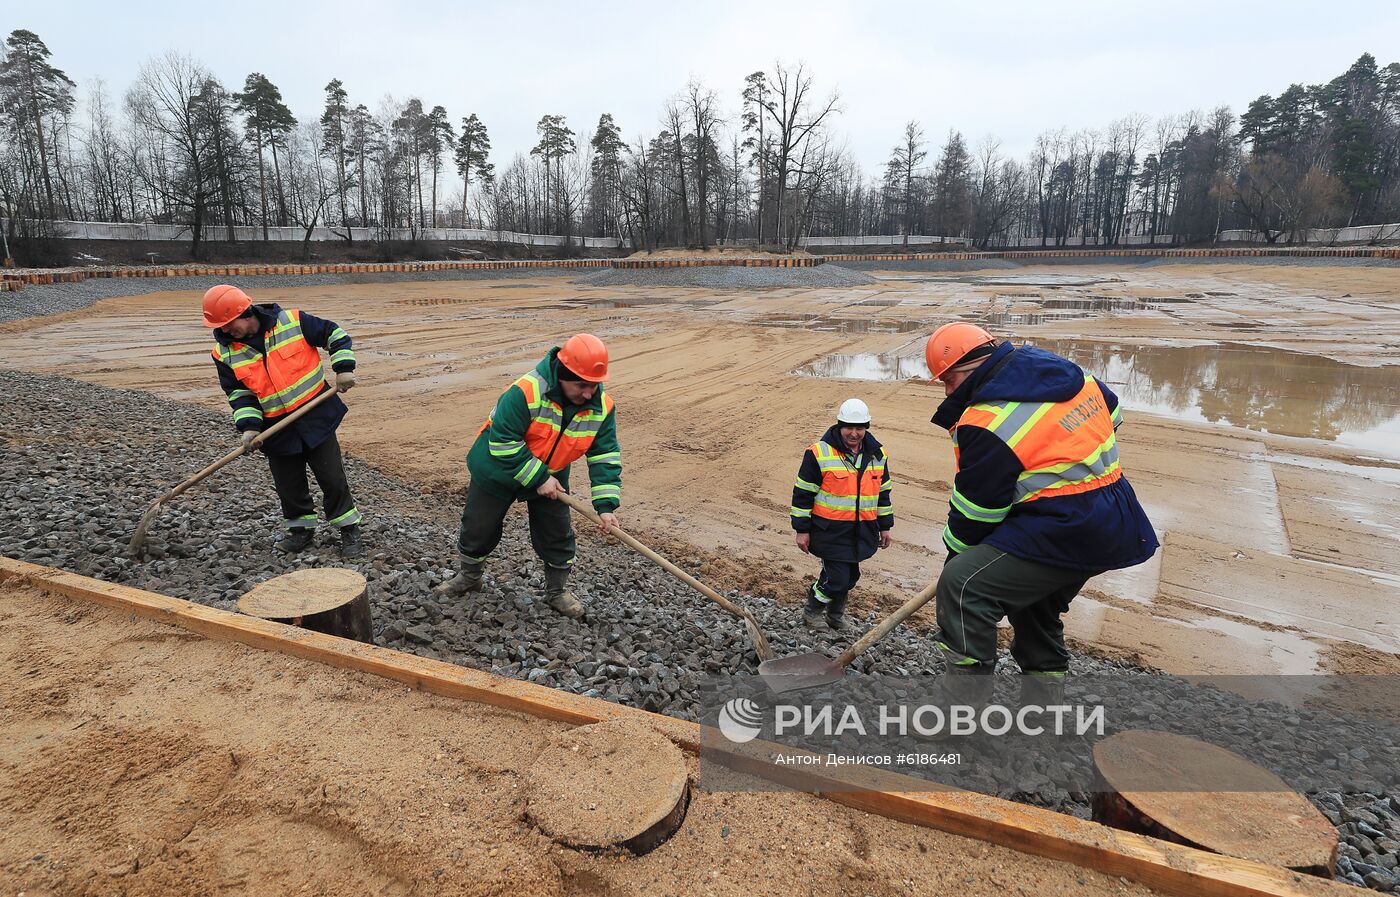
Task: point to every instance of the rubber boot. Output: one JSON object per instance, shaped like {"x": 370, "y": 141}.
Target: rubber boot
{"x": 1042, "y": 689}
{"x": 468, "y": 579}
{"x": 351, "y": 545}
{"x": 814, "y": 611}
{"x": 836, "y": 613}
{"x": 555, "y": 593}
{"x": 297, "y": 539}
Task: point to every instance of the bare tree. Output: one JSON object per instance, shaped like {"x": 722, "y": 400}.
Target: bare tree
{"x": 901, "y": 173}
{"x": 164, "y": 101}
{"x": 788, "y": 103}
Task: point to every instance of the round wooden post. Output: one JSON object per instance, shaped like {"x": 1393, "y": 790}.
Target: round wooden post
{"x": 332, "y": 600}
{"x": 1190, "y": 792}
{"x": 610, "y": 784}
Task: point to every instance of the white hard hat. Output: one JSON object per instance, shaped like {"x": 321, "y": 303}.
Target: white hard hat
{"x": 853, "y": 411}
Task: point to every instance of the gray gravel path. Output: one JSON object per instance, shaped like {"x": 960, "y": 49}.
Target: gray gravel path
{"x": 73, "y": 489}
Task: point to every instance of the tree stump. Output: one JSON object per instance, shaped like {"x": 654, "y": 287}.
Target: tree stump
{"x": 1189, "y": 792}
{"x": 609, "y": 784}
{"x": 332, "y": 600}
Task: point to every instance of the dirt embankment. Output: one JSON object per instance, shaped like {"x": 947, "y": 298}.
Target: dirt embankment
{"x": 140, "y": 759}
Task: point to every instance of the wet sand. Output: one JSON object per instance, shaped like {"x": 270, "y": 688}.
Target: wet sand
{"x": 145, "y": 760}
{"x": 1261, "y": 413}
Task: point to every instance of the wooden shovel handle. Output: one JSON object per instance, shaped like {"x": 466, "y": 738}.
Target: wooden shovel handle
{"x": 631, "y": 541}
{"x": 905, "y": 611}
{"x": 245, "y": 449}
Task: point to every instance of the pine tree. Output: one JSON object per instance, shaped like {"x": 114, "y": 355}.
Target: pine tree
{"x": 606, "y": 171}
{"x": 335, "y": 144}
{"x": 473, "y": 149}
{"x": 556, "y": 142}
{"x": 34, "y": 90}
{"x": 268, "y": 121}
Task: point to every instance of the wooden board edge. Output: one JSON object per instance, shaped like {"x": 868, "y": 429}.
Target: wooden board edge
{"x": 1159, "y": 864}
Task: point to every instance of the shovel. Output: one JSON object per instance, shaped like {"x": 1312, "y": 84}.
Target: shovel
{"x": 813, "y": 669}
{"x": 137, "y": 548}
{"x": 760, "y": 641}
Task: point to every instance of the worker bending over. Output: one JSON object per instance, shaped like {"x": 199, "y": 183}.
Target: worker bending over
{"x": 269, "y": 367}
{"x": 1039, "y": 503}
{"x": 545, "y": 421}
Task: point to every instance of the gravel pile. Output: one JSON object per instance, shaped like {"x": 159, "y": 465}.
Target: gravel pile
{"x": 727, "y": 277}
{"x": 51, "y": 299}
{"x": 73, "y": 490}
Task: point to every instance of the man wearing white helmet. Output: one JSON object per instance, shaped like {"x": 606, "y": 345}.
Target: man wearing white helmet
{"x": 841, "y": 509}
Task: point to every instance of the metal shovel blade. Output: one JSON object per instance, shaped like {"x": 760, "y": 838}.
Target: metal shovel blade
{"x": 800, "y": 671}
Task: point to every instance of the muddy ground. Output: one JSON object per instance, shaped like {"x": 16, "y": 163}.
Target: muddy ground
{"x": 142, "y": 759}
{"x": 1262, "y": 422}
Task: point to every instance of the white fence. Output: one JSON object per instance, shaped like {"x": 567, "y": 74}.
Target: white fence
{"x": 1372, "y": 233}
{"x": 887, "y": 240}
{"x": 105, "y": 230}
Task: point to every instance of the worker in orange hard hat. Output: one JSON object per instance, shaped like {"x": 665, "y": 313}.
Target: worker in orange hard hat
{"x": 1039, "y": 502}
{"x": 269, "y": 366}
{"x": 549, "y": 418}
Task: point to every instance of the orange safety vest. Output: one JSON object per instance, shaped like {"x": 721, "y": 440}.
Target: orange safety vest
{"x": 847, "y": 494}
{"x": 544, "y": 438}
{"x": 284, "y": 377}
{"x": 1064, "y": 447}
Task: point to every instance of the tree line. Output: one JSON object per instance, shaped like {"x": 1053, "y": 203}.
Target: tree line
{"x": 179, "y": 147}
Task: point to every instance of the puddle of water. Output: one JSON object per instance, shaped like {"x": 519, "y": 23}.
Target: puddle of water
{"x": 826, "y": 324}
{"x": 1033, "y": 280}
{"x": 434, "y": 300}
{"x": 1254, "y": 387}
{"x": 622, "y": 301}
{"x": 1095, "y": 303}
{"x": 1029, "y": 318}
{"x": 866, "y": 366}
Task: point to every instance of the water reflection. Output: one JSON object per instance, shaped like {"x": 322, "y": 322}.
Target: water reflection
{"x": 866, "y": 366}
{"x": 1256, "y": 387}
{"x": 826, "y": 324}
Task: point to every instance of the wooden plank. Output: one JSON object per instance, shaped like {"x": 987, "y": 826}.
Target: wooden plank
{"x": 1170, "y": 868}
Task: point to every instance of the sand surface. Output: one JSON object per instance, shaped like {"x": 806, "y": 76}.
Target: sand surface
{"x": 141, "y": 759}
{"x": 1280, "y": 550}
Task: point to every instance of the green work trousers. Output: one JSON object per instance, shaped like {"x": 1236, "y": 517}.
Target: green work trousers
{"x": 483, "y": 520}
{"x": 983, "y": 584}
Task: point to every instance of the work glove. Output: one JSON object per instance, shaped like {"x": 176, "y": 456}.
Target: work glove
{"x": 248, "y": 436}
{"x": 345, "y": 381}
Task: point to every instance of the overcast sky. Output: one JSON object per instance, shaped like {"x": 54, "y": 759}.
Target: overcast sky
{"x": 1012, "y": 69}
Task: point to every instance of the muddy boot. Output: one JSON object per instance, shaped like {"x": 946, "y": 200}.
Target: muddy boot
{"x": 814, "y": 611}
{"x": 351, "y": 545}
{"x": 836, "y": 614}
{"x": 297, "y": 539}
{"x": 468, "y": 579}
{"x": 1042, "y": 689}
{"x": 559, "y": 598}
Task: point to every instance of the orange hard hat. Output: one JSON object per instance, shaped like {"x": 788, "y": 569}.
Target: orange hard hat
{"x": 224, "y": 303}
{"x": 586, "y": 356}
{"x": 950, "y": 343}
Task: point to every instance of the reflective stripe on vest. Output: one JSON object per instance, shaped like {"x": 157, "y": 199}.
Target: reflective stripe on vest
{"x": 543, "y": 437}
{"x": 1064, "y": 447}
{"x": 288, "y": 375}
{"x": 845, "y": 493}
